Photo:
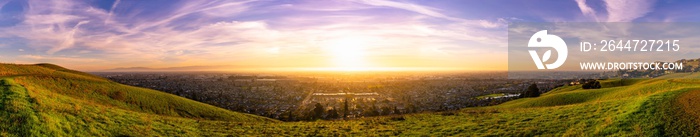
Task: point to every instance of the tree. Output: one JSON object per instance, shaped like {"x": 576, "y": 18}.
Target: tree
{"x": 333, "y": 114}
{"x": 290, "y": 115}
{"x": 532, "y": 91}
{"x": 318, "y": 111}
{"x": 346, "y": 109}
{"x": 373, "y": 111}
{"x": 411, "y": 108}
{"x": 591, "y": 84}
{"x": 396, "y": 110}
{"x": 385, "y": 111}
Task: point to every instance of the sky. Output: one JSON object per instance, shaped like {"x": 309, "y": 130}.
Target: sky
{"x": 94, "y": 35}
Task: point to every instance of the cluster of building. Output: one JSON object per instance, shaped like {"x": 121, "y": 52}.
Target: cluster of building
{"x": 294, "y": 96}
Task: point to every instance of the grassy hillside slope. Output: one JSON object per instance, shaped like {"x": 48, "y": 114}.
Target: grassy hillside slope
{"x": 46, "y": 99}
{"x": 49, "y": 100}
{"x": 666, "y": 106}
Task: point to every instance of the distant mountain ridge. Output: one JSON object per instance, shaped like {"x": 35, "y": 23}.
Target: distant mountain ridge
{"x": 184, "y": 68}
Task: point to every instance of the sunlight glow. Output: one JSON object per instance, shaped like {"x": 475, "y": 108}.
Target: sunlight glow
{"x": 370, "y": 69}
{"x": 348, "y": 52}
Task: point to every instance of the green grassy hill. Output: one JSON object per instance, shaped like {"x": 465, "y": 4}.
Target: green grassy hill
{"x": 46, "y": 99}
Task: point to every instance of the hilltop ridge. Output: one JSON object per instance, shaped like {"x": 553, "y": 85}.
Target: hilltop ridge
{"x": 52, "y": 100}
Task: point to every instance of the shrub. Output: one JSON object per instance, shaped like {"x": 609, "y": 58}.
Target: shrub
{"x": 591, "y": 84}
{"x": 532, "y": 91}
{"x": 397, "y": 118}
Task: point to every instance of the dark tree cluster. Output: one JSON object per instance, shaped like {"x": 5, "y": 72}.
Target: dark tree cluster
{"x": 532, "y": 91}
{"x": 591, "y": 84}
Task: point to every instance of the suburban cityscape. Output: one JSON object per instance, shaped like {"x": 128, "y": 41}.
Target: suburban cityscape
{"x": 336, "y": 95}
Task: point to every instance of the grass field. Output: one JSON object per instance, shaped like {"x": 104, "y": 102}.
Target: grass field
{"x": 45, "y": 99}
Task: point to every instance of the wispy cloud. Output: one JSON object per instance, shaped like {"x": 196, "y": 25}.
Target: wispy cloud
{"x": 69, "y": 39}
{"x": 276, "y": 33}
{"x": 70, "y": 60}
{"x": 111, "y": 11}
{"x": 586, "y": 10}
{"x": 627, "y": 10}
{"x": 618, "y": 10}
{"x": 407, "y": 6}
{"x": 433, "y": 12}
{"x": 199, "y": 33}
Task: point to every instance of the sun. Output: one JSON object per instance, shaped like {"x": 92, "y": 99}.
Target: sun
{"x": 348, "y": 53}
